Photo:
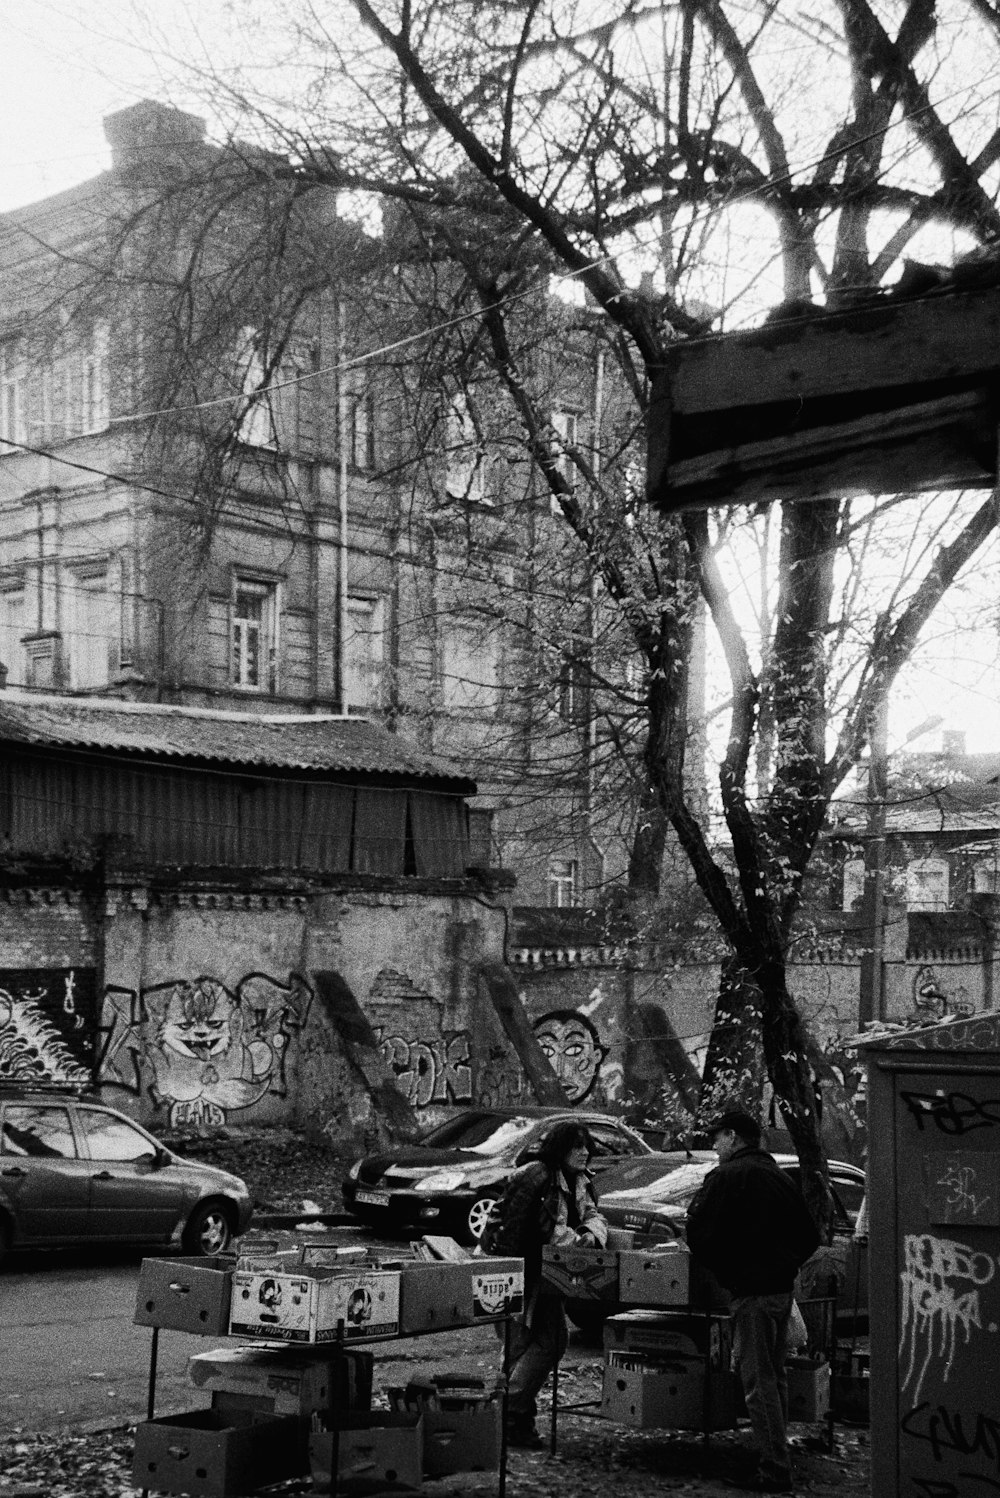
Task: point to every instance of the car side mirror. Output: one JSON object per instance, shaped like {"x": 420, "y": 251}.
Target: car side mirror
{"x": 526, "y": 1156}
{"x": 146, "y": 1164}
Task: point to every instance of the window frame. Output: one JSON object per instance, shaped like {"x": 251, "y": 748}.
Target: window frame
{"x": 556, "y": 883}
{"x": 268, "y": 590}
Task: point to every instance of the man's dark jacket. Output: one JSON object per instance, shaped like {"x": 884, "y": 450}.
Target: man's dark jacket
{"x": 750, "y": 1226}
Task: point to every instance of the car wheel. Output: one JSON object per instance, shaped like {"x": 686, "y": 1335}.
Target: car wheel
{"x": 589, "y": 1318}
{"x": 208, "y": 1231}
{"x": 477, "y": 1217}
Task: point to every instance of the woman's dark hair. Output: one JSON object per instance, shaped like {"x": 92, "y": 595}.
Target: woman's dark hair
{"x": 564, "y": 1137}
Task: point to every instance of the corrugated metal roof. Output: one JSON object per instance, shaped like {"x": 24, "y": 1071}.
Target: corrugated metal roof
{"x": 338, "y": 745}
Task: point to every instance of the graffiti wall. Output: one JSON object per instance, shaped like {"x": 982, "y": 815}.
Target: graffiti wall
{"x": 199, "y": 1050}
{"x": 48, "y": 1024}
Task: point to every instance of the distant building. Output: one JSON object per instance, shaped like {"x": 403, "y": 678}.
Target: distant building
{"x": 318, "y": 558}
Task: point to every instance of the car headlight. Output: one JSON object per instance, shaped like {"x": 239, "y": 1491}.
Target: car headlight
{"x": 355, "y": 1170}
{"x": 442, "y": 1180}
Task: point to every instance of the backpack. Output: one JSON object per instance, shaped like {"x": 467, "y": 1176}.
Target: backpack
{"x": 506, "y": 1231}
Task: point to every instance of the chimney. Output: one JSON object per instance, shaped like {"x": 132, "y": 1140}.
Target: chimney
{"x": 150, "y": 132}
{"x": 953, "y": 741}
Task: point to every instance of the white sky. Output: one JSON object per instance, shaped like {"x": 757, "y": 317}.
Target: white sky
{"x": 66, "y": 63}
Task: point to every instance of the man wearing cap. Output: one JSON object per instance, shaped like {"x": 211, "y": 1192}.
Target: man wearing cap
{"x": 751, "y": 1227}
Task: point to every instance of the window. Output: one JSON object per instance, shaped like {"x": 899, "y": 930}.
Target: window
{"x": 927, "y": 884}
{"x": 255, "y": 635}
{"x": 11, "y": 630}
{"x": 571, "y": 695}
{"x": 470, "y": 674}
{"x": 363, "y": 430}
{"x": 854, "y": 883}
{"x": 92, "y": 629}
{"x": 94, "y": 409}
{"x": 38, "y": 1131}
{"x": 110, "y": 1138}
{"x": 13, "y": 395}
{"x": 465, "y": 472}
{"x": 364, "y": 653}
{"x": 256, "y": 428}
{"x": 567, "y": 429}
{"x": 563, "y": 882}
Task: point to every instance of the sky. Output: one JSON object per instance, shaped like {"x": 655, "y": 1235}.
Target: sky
{"x": 65, "y": 64}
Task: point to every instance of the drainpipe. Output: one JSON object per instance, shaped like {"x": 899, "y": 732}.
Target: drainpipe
{"x": 343, "y": 432}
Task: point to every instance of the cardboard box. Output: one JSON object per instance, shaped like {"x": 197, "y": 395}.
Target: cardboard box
{"x": 808, "y": 1388}
{"x": 462, "y": 1440}
{"x": 653, "y": 1332}
{"x": 497, "y": 1288}
{"x": 187, "y": 1295}
{"x": 217, "y": 1453}
{"x": 661, "y": 1278}
{"x": 666, "y": 1394}
{"x": 580, "y": 1273}
{"x": 309, "y": 1307}
{"x": 380, "y": 1453}
{"x": 432, "y": 1296}
{"x": 285, "y": 1381}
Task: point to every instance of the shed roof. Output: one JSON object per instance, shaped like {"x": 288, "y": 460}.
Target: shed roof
{"x": 977, "y": 1032}
{"x": 327, "y": 743}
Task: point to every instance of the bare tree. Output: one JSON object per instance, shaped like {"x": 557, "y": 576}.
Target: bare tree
{"x": 508, "y": 145}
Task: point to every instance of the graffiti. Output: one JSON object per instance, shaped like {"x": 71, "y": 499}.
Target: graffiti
{"x": 954, "y": 1430}
{"x": 47, "y": 1024}
{"x": 200, "y": 1050}
{"x": 961, "y": 1198}
{"x": 935, "y": 1310}
{"x": 931, "y": 1001}
{"x": 429, "y": 1071}
{"x": 952, "y": 1112}
{"x": 573, "y": 1047}
{"x": 500, "y": 1085}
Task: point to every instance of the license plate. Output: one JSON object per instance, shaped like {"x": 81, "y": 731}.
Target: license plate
{"x": 372, "y": 1198}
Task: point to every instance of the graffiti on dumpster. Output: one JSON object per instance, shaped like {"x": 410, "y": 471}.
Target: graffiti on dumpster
{"x": 199, "y": 1049}
{"x": 47, "y": 1024}
{"x": 941, "y": 1282}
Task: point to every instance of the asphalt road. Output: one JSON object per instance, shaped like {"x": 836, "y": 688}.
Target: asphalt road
{"x": 70, "y": 1357}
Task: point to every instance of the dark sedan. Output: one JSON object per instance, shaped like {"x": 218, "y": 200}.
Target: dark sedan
{"x": 650, "y": 1198}
{"x": 448, "y": 1182}
{"x": 73, "y": 1171}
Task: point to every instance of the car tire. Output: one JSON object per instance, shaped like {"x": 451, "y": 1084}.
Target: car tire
{"x": 589, "y": 1318}
{"x": 476, "y": 1217}
{"x": 209, "y": 1229}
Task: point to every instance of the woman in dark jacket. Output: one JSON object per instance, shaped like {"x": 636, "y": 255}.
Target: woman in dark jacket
{"x": 551, "y": 1200}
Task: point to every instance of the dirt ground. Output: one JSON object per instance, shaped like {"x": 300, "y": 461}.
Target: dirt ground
{"x": 594, "y": 1458}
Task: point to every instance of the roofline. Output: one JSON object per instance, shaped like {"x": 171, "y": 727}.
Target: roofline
{"x": 156, "y": 709}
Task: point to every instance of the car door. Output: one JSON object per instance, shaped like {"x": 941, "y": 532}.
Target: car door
{"x": 42, "y": 1175}
{"x": 610, "y": 1146}
{"x": 133, "y": 1194}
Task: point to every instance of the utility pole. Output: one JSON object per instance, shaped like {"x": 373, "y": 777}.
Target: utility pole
{"x": 871, "y": 1000}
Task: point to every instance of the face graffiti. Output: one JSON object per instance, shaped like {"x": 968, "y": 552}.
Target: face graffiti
{"x": 573, "y": 1048}
{"x": 200, "y": 1050}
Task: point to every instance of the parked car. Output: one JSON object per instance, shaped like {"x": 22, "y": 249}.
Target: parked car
{"x": 650, "y": 1197}
{"x": 73, "y": 1171}
{"x": 449, "y": 1180}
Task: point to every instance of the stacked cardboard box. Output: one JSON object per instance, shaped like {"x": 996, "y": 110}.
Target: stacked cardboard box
{"x": 808, "y": 1388}
{"x": 661, "y": 1276}
{"x": 669, "y": 1369}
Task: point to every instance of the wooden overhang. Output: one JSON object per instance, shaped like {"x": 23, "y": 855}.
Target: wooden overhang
{"x": 896, "y": 396}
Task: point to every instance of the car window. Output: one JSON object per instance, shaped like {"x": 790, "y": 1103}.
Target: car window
{"x": 37, "y": 1130}
{"x": 610, "y": 1141}
{"x": 110, "y": 1138}
{"x": 467, "y": 1128}
{"x": 505, "y": 1134}
{"x": 675, "y": 1187}
{"x": 850, "y": 1192}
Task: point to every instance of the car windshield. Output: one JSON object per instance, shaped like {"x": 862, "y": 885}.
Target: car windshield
{"x": 678, "y": 1185}
{"x": 480, "y": 1133}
